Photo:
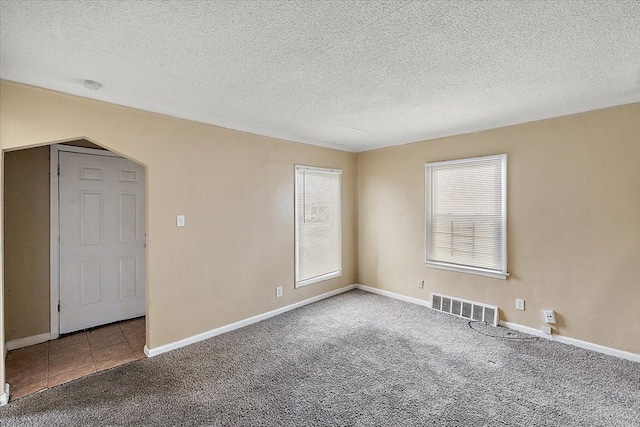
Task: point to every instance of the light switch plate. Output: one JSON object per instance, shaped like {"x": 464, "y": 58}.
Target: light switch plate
{"x": 180, "y": 220}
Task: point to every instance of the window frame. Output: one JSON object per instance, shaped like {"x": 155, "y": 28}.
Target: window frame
{"x": 502, "y": 274}
{"x": 333, "y": 274}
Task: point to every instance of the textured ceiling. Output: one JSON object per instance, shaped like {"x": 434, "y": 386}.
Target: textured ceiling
{"x": 353, "y": 75}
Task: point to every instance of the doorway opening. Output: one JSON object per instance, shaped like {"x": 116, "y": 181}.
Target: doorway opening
{"x": 74, "y": 263}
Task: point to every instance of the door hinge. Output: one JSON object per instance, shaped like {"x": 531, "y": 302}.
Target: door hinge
{"x": 58, "y": 170}
{"x": 58, "y": 306}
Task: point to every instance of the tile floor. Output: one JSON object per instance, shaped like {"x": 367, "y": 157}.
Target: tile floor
{"x": 38, "y": 367}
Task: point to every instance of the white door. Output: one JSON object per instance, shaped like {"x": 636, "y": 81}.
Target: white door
{"x": 102, "y": 240}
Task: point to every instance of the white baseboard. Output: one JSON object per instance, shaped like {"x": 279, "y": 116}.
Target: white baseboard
{"x": 150, "y": 352}
{"x": 27, "y": 341}
{"x": 526, "y": 329}
{"x": 242, "y": 323}
{"x": 394, "y": 295}
{"x": 4, "y": 397}
{"x": 574, "y": 342}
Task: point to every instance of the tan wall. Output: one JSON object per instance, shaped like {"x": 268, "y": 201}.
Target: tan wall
{"x": 573, "y": 208}
{"x": 235, "y": 188}
{"x": 573, "y": 223}
{"x": 26, "y": 242}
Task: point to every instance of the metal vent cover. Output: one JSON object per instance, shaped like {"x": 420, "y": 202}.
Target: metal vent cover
{"x": 466, "y": 309}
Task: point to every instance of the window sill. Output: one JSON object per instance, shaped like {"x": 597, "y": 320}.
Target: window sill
{"x": 468, "y": 270}
{"x": 317, "y": 279}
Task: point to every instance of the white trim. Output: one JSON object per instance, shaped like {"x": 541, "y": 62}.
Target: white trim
{"x": 394, "y": 295}
{"x": 633, "y": 357}
{"x": 465, "y": 269}
{"x": 54, "y": 226}
{"x": 321, "y": 278}
{"x": 526, "y": 329}
{"x": 318, "y": 169}
{"x": 151, "y": 352}
{"x": 505, "y": 214}
{"x": 85, "y": 150}
{"x": 4, "y": 397}
{"x": 54, "y": 241}
{"x": 27, "y": 341}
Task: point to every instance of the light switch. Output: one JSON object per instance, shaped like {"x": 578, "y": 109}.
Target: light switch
{"x": 180, "y": 220}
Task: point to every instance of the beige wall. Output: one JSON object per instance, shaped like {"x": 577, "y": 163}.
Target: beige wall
{"x": 26, "y": 243}
{"x": 235, "y": 188}
{"x": 573, "y": 223}
{"x": 573, "y": 209}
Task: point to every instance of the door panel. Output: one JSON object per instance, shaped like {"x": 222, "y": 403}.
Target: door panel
{"x": 128, "y": 277}
{"x": 128, "y": 218}
{"x": 102, "y": 240}
{"x": 91, "y": 282}
{"x": 92, "y": 220}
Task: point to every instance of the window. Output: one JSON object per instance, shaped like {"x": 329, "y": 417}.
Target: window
{"x": 318, "y": 224}
{"x": 466, "y": 215}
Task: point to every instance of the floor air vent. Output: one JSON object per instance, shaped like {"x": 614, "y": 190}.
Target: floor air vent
{"x": 464, "y": 308}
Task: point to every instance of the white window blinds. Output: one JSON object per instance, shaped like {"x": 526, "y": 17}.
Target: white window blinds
{"x": 318, "y": 224}
{"x": 466, "y": 215}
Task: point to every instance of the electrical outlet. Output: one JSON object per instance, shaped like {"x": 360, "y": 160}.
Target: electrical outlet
{"x": 519, "y": 304}
{"x": 278, "y": 291}
{"x": 548, "y": 316}
{"x": 421, "y": 284}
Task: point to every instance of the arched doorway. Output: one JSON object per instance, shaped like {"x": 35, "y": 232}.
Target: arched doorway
{"x": 53, "y": 261}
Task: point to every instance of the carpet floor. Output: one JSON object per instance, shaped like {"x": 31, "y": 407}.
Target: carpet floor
{"x": 357, "y": 359}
